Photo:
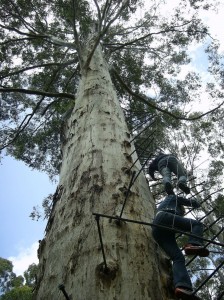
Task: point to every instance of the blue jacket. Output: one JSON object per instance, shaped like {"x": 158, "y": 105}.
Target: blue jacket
{"x": 174, "y": 203}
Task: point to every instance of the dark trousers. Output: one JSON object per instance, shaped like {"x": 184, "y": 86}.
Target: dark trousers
{"x": 167, "y": 241}
{"x": 170, "y": 164}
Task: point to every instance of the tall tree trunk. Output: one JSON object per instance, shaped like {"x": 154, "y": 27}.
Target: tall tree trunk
{"x": 94, "y": 178}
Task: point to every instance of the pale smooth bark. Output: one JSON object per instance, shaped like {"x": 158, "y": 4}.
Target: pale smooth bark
{"x": 93, "y": 178}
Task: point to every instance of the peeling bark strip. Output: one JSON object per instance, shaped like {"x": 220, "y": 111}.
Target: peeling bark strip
{"x": 93, "y": 174}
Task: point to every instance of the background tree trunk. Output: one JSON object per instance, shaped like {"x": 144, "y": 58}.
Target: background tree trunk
{"x": 94, "y": 178}
{"x": 210, "y": 218}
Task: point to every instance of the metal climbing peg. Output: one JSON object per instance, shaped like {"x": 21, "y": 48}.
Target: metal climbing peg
{"x": 62, "y": 288}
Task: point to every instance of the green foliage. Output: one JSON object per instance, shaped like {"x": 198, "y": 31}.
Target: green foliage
{"x": 219, "y": 205}
{"x": 145, "y": 53}
{"x": 17, "y": 281}
{"x": 30, "y": 275}
{"x": 12, "y": 286}
{"x": 216, "y": 171}
{"x": 148, "y": 52}
{"x": 6, "y": 274}
{"x": 201, "y": 268}
{"x": 5, "y": 266}
{"x": 18, "y": 293}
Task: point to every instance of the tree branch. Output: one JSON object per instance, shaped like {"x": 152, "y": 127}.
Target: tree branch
{"x": 111, "y": 11}
{"x": 76, "y": 36}
{"x": 28, "y": 117}
{"x": 122, "y": 45}
{"x": 124, "y": 4}
{"x": 21, "y": 126}
{"x": 88, "y": 60}
{"x": 23, "y": 33}
{"x": 72, "y": 75}
{"x": 18, "y": 15}
{"x": 37, "y": 66}
{"x": 53, "y": 40}
{"x": 106, "y": 7}
{"x": 16, "y": 40}
{"x": 49, "y": 38}
{"x": 101, "y": 34}
{"x": 99, "y": 14}
{"x": 34, "y": 92}
{"x": 48, "y": 106}
{"x": 171, "y": 29}
{"x": 149, "y": 103}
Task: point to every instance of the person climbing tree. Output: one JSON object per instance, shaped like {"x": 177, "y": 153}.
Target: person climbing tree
{"x": 165, "y": 164}
{"x": 170, "y": 214}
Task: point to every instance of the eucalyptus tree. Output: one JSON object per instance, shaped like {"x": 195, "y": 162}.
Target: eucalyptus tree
{"x": 76, "y": 81}
{"x": 18, "y": 293}
{"x": 11, "y": 286}
{"x": 200, "y": 270}
{"x": 6, "y": 274}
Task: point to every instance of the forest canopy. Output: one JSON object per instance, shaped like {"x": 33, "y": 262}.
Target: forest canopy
{"x": 170, "y": 102}
{"x": 147, "y": 48}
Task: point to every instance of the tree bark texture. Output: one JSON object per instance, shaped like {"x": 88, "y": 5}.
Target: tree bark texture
{"x": 95, "y": 175}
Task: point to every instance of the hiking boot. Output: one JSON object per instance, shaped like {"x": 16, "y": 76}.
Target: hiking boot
{"x": 190, "y": 249}
{"x": 169, "y": 188}
{"x": 185, "y": 294}
{"x": 184, "y": 188}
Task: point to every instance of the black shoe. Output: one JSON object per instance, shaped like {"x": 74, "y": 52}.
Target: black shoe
{"x": 184, "y": 188}
{"x": 185, "y": 294}
{"x": 169, "y": 188}
{"x": 190, "y": 249}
